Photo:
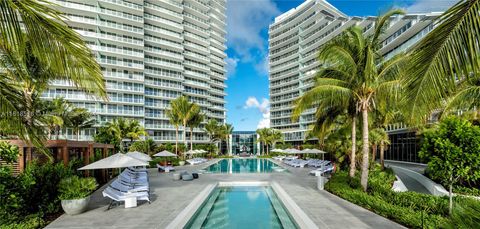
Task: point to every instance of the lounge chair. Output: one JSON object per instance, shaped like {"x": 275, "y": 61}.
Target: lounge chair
{"x": 165, "y": 168}
{"x": 117, "y": 196}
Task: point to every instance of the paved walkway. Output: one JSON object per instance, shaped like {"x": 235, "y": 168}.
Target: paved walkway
{"x": 170, "y": 197}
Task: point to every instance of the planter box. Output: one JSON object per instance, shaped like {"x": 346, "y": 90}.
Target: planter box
{"x": 77, "y": 206}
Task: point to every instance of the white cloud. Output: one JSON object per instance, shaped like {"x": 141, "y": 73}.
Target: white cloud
{"x": 231, "y": 65}
{"x": 263, "y": 107}
{"x": 262, "y": 66}
{"x": 246, "y": 20}
{"x": 427, "y": 6}
{"x": 264, "y": 122}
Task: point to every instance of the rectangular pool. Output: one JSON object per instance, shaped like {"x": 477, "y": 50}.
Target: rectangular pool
{"x": 242, "y": 207}
{"x": 244, "y": 165}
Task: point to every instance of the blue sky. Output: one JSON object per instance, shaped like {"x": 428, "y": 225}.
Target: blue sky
{"x": 247, "y": 48}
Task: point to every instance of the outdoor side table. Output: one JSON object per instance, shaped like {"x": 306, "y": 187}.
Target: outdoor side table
{"x": 176, "y": 176}
{"x": 131, "y": 202}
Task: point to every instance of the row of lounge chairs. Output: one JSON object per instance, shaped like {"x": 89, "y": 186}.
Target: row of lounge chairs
{"x": 323, "y": 166}
{"x": 131, "y": 183}
{"x": 196, "y": 161}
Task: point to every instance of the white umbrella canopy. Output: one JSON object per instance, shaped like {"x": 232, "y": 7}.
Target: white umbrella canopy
{"x": 165, "y": 153}
{"x": 278, "y": 150}
{"x": 118, "y": 160}
{"x": 293, "y": 151}
{"x": 191, "y": 152}
{"x": 314, "y": 151}
{"x": 139, "y": 156}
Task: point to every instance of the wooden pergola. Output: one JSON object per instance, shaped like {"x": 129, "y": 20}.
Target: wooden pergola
{"x": 60, "y": 149}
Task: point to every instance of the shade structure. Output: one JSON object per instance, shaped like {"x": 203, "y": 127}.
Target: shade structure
{"x": 139, "y": 156}
{"x": 202, "y": 151}
{"x": 118, "y": 160}
{"x": 192, "y": 152}
{"x": 278, "y": 150}
{"x": 314, "y": 151}
{"x": 293, "y": 151}
{"x": 165, "y": 153}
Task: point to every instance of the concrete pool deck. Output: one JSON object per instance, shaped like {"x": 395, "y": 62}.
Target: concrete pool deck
{"x": 170, "y": 197}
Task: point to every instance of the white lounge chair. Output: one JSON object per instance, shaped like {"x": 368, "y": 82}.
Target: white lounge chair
{"x": 117, "y": 196}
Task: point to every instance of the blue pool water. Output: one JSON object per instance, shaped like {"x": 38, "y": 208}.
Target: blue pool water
{"x": 241, "y": 165}
{"x": 242, "y": 207}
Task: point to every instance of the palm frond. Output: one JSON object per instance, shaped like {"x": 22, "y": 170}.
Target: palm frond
{"x": 446, "y": 54}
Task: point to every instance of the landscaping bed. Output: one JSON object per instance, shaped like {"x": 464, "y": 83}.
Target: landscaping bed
{"x": 413, "y": 210}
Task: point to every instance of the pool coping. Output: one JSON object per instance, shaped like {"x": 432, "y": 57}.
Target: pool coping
{"x": 298, "y": 215}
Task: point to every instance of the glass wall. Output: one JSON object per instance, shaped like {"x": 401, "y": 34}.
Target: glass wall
{"x": 244, "y": 142}
{"x": 404, "y": 147}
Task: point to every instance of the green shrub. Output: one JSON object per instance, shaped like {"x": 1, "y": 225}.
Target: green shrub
{"x": 384, "y": 202}
{"x": 73, "y": 187}
{"x": 153, "y": 163}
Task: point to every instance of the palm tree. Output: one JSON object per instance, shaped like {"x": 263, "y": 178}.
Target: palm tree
{"x": 37, "y": 46}
{"x": 148, "y": 146}
{"x": 228, "y": 131}
{"x": 195, "y": 120}
{"x": 61, "y": 110}
{"x": 124, "y": 128}
{"x": 263, "y": 137}
{"x": 275, "y": 137}
{"x": 354, "y": 72}
{"x": 79, "y": 119}
{"x": 212, "y": 128}
{"x": 446, "y": 63}
{"x": 185, "y": 111}
{"x": 176, "y": 122}
{"x": 134, "y": 130}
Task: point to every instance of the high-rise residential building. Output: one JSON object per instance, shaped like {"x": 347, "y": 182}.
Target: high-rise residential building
{"x": 151, "y": 52}
{"x": 294, "y": 40}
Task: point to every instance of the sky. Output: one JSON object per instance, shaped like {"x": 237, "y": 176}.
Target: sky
{"x": 247, "y": 49}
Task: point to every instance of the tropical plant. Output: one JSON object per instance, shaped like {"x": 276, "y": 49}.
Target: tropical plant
{"x": 228, "y": 130}
{"x": 195, "y": 120}
{"x": 378, "y": 137}
{"x": 8, "y": 152}
{"x": 122, "y": 128}
{"x": 80, "y": 118}
{"x": 446, "y": 63}
{"x": 213, "y": 129}
{"x": 37, "y": 46}
{"x": 452, "y": 152}
{"x": 274, "y": 137}
{"x": 353, "y": 71}
{"x": 185, "y": 111}
{"x": 263, "y": 138}
{"x": 106, "y": 135}
{"x": 74, "y": 187}
{"x": 176, "y": 122}
{"x": 148, "y": 146}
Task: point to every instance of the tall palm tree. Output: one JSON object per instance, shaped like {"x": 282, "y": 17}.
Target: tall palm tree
{"x": 36, "y": 46}
{"x": 228, "y": 131}
{"x": 148, "y": 146}
{"x": 79, "y": 119}
{"x": 355, "y": 72}
{"x": 185, "y": 111}
{"x": 275, "y": 137}
{"x": 263, "y": 137}
{"x": 125, "y": 128}
{"x": 61, "y": 110}
{"x": 176, "y": 122}
{"x": 212, "y": 128}
{"x": 446, "y": 63}
{"x": 195, "y": 121}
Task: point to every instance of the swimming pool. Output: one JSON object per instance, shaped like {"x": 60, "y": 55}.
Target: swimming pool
{"x": 242, "y": 207}
{"x": 244, "y": 165}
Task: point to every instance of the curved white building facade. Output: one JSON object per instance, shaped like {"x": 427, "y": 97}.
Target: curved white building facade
{"x": 294, "y": 40}
{"x": 151, "y": 52}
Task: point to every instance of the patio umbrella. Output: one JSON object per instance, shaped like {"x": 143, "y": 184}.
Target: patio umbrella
{"x": 315, "y": 151}
{"x": 118, "y": 160}
{"x": 293, "y": 151}
{"x": 139, "y": 156}
{"x": 191, "y": 152}
{"x": 165, "y": 153}
{"x": 278, "y": 150}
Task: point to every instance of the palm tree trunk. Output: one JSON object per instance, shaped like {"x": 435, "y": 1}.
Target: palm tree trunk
{"x": 191, "y": 138}
{"x": 365, "y": 151}
{"x": 267, "y": 149}
{"x": 374, "y": 153}
{"x": 354, "y": 147}
{"x": 78, "y": 134}
{"x": 185, "y": 135}
{"x": 382, "y": 151}
{"x": 176, "y": 140}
